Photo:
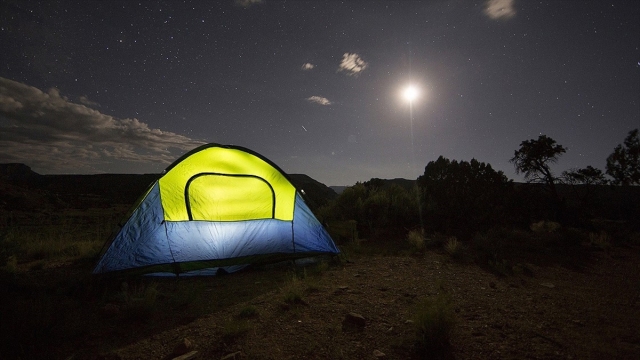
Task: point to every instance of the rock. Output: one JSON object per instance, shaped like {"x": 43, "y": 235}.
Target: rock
{"x": 353, "y": 321}
{"x": 182, "y": 347}
{"x": 187, "y": 356}
{"x": 379, "y": 354}
{"x": 233, "y": 356}
{"x": 409, "y": 322}
{"x": 547, "y": 285}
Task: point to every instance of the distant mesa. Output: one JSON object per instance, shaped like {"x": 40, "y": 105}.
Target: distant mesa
{"x": 17, "y": 172}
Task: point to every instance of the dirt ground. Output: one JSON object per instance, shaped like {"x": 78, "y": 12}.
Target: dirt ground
{"x": 549, "y": 311}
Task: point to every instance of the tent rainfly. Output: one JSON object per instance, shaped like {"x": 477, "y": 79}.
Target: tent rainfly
{"x": 216, "y": 207}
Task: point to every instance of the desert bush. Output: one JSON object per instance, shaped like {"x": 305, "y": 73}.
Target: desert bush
{"x": 292, "y": 290}
{"x": 248, "y": 312}
{"x": 416, "y": 239}
{"x": 50, "y": 242}
{"x": 453, "y": 248}
{"x": 139, "y": 301}
{"x": 11, "y": 265}
{"x": 234, "y": 328}
{"x": 434, "y": 321}
{"x": 600, "y": 240}
{"x": 545, "y": 226}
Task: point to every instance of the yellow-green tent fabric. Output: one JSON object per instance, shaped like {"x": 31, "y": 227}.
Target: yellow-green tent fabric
{"x": 218, "y": 206}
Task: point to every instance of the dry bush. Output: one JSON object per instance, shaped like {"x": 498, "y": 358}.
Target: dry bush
{"x": 416, "y": 239}
{"x": 434, "y": 321}
{"x": 453, "y": 247}
{"x": 601, "y": 240}
{"x": 545, "y": 226}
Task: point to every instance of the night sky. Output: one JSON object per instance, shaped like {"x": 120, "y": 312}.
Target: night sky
{"x": 315, "y": 86}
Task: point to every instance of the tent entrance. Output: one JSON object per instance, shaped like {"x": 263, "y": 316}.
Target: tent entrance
{"x": 229, "y": 197}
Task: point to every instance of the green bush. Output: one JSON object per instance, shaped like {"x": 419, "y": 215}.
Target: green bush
{"x": 434, "y": 321}
{"x": 234, "y": 328}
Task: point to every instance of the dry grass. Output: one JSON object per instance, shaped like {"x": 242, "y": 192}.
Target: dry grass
{"x": 417, "y": 240}
{"x": 545, "y": 226}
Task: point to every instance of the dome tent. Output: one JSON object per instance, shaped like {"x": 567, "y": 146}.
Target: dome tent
{"x": 218, "y": 206}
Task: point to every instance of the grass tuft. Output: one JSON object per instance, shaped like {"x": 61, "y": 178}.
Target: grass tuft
{"x": 545, "y": 226}
{"x": 234, "y": 328}
{"x": 601, "y": 240}
{"x": 453, "y": 248}
{"x": 434, "y": 321}
{"x": 416, "y": 240}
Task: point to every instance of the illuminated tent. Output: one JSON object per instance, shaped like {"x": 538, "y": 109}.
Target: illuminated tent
{"x": 217, "y": 207}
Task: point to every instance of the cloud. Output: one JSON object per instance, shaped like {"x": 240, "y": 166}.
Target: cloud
{"x": 319, "y": 100}
{"x": 352, "y": 64}
{"x": 85, "y": 100}
{"x": 308, "y": 66}
{"x": 51, "y": 134}
{"x": 498, "y": 9}
{"x": 248, "y": 3}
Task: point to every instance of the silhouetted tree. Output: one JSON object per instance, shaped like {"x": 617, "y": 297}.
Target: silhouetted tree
{"x": 585, "y": 176}
{"x": 462, "y": 196}
{"x": 623, "y": 165}
{"x": 582, "y": 182}
{"x": 533, "y": 160}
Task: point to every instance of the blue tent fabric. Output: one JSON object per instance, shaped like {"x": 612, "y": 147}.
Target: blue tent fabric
{"x": 147, "y": 243}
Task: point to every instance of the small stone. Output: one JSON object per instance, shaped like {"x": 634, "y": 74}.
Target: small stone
{"x": 409, "y": 322}
{"x": 353, "y": 321}
{"x": 187, "y": 356}
{"x": 343, "y": 287}
{"x": 378, "y": 354}
{"x": 547, "y": 285}
{"x": 233, "y": 356}
{"x": 183, "y": 347}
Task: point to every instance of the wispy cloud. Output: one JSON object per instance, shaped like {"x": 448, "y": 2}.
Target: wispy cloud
{"x": 500, "y": 9}
{"x": 308, "y": 66}
{"x": 352, "y": 64}
{"x": 51, "y": 134}
{"x": 247, "y": 3}
{"x": 319, "y": 100}
{"x": 85, "y": 100}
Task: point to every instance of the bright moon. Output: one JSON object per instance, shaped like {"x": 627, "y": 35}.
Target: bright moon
{"x": 410, "y": 93}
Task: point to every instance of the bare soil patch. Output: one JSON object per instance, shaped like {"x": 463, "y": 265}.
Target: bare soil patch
{"x": 549, "y": 311}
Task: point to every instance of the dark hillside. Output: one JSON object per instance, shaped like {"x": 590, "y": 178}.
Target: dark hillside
{"x": 316, "y": 193}
{"x": 23, "y": 189}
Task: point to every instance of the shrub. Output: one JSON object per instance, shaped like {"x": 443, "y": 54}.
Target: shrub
{"x": 11, "y": 265}
{"x": 234, "y": 328}
{"x": 416, "y": 239}
{"x": 600, "y": 241}
{"x": 248, "y": 312}
{"x": 434, "y": 321}
{"x": 545, "y": 226}
{"x": 453, "y": 248}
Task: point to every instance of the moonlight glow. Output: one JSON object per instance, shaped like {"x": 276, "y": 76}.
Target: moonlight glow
{"x": 410, "y": 93}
